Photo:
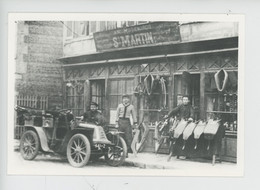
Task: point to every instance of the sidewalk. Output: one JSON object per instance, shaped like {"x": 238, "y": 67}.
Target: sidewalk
{"x": 159, "y": 161}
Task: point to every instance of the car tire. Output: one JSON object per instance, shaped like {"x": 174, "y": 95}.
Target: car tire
{"x": 78, "y": 150}
{"x": 120, "y": 160}
{"x": 29, "y": 145}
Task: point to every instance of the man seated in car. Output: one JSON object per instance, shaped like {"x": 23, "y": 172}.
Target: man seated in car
{"x": 93, "y": 115}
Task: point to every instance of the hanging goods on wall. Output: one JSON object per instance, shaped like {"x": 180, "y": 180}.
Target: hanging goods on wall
{"x": 79, "y": 86}
{"x": 211, "y": 130}
{"x": 148, "y": 84}
{"x": 199, "y": 129}
{"x": 156, "y": 85}
{"x": 138, "y": 90}
{"x": 221, "y": 78}
{"x": 164, "y": 93}
{"x": 187, "y": 132}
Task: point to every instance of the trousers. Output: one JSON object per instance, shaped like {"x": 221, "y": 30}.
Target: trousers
{"x": 124, "y": 126}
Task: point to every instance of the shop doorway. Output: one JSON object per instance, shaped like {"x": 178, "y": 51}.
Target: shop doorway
{"x": 97, "y": 93}
{"x": 116, "y": 88}
{"x": 188, "y": 84}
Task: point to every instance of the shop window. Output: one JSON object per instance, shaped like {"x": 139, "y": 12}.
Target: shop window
{"x": 81, "y": 28}
{"x": 124, "y": 24}
{"x": 131, "y": 23}
{"x": 117, "y": 88}
{"x": 222, "y": 104}
{"x": 75, "y": 97}
{"x": 154, "y": 98}
{"x": 75, "y": 29}
{"x": 93, "y": 27}
{"x": 111, "y": 25}
{"x": 103, "y": 25}
{"x": 69, "y": 29}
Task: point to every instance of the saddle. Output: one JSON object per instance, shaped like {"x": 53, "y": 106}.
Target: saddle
{"x": 199, "y": 129}
{"x": 211, "y": 129}
{"x": 189, "y": 130}
{"x": 180, "y": 128}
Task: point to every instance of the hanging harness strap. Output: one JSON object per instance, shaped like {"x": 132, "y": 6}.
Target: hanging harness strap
{"x": 138, "y": 90}
{"x": 164, "y": 97}
{"x": 148, "y": 84}
{"x": 218, "y": 79}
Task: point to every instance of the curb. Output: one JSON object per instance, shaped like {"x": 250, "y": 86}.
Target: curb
{"x": 145, "y": 166}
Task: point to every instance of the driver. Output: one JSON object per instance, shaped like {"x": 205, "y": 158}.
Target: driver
{"x": 93, "y": 115}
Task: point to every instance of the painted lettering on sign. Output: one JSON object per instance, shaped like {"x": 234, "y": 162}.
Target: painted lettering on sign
{"x": 139, "y": 35}
{"x": 133, "y": 40}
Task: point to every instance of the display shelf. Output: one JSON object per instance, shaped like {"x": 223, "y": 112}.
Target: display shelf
{"x": 219, "y": 93}
{"x": 224, "y": 112}
{"x": 231, "y": 133}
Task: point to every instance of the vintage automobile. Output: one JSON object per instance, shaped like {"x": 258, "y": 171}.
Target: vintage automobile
{"x": 60, "y": 132}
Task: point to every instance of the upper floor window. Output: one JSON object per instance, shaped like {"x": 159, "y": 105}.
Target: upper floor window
{"x": 75, "y": 29}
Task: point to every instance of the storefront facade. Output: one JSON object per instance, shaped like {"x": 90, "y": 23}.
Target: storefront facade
{"x": 121, "y": 59}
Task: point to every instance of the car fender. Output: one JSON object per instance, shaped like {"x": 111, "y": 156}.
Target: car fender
{"x": 43, "y": 139}
{"x": 88, "y": 132}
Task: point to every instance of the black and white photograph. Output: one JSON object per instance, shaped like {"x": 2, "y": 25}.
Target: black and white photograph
{"x": 125, "y": 94}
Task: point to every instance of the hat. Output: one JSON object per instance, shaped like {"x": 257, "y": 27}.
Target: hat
{"x": 126, "y": 96}
{"x": 94, "y": 103}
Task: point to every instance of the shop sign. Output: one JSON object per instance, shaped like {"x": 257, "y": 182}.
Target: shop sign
{"x": 140, "y": 35}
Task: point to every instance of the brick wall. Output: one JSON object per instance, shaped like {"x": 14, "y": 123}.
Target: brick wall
{"x": 39, "y": 44}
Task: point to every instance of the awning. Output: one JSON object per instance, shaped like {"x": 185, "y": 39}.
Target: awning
{"x": 154, "y": 52}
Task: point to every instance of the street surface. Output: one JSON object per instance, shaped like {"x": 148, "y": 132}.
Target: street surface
{"x": 51, "y": 160}
{"x": 51, "y": 164}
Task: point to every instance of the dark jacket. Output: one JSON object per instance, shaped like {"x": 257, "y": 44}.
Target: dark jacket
{"x": 94, "y": 117}
{"x": 182, "y": 112}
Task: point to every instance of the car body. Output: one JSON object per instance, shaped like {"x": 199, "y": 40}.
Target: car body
{"x": 60, "y": 132}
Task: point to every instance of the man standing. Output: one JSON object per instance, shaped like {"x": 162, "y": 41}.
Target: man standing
{"x": 124, "y": 111}
{"x": 183, "y": 111}
{"x": 93, "y": 115}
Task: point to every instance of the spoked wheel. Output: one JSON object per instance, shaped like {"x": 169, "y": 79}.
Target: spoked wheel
{"x": 29, "y": 145}
{"x": 78, "y": 150}
{"x": 116, "y": 154}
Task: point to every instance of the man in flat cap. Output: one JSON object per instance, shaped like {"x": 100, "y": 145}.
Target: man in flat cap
{"x": 93, "y": 115}
{"x": 124, "y": 111}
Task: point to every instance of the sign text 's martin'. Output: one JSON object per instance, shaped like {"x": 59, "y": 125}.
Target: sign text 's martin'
{"x": 133, "y": 40}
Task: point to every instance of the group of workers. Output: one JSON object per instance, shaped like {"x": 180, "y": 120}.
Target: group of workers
{"x": 125, "y": 110}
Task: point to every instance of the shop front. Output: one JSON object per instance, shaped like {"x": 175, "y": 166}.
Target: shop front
{"x": 156, "y": 66}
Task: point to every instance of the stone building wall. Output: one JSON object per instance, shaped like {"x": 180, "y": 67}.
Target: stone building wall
{"x": 38, "y": 72}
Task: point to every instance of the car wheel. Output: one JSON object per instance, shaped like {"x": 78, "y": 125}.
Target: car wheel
{"x": 29, "y": 145}
{"x": 78, "y": 150}
{"x": 116, "y": 154}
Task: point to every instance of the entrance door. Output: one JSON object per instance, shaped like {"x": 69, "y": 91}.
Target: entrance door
{"x": 97, "y": 93}
{"x": 188, "y": 85}
{"x": 118, "y": 87}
